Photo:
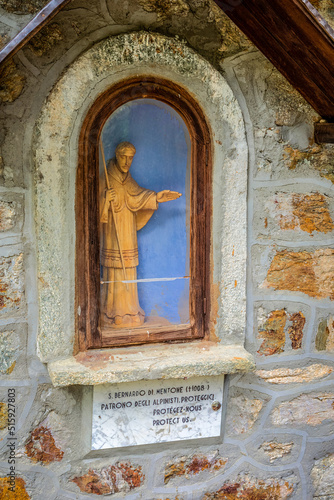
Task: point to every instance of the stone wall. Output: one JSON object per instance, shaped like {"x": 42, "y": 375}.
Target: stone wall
{"x": 277, "y": 441}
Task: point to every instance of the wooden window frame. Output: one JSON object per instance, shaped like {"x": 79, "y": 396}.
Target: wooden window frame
{"x": 89, "y": 335}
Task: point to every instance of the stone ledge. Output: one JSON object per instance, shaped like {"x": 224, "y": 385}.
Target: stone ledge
{"x": 149, "y": 362}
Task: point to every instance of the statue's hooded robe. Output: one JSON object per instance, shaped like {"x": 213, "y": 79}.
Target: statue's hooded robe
{"x": 133, "y": 207}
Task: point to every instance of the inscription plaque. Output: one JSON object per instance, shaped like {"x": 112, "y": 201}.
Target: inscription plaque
{"x": 156, "y": 411}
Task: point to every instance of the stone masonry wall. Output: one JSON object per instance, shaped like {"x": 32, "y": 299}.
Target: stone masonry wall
{"x": 278, "y": 441}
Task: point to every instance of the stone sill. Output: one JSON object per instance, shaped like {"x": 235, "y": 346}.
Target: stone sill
{"x": 149, "y": 362}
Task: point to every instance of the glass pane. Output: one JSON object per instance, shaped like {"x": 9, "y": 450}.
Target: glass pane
{"x": 144, "y": 230}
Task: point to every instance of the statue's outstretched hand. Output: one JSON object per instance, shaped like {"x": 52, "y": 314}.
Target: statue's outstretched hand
{"x": 167, "y": 195}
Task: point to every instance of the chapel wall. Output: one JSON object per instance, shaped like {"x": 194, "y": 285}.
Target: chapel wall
{"x": 278, "y": 420}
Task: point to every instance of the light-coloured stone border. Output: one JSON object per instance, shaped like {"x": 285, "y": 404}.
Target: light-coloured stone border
{"x": 55, "y": 147}
{"x": 198, "y": 359}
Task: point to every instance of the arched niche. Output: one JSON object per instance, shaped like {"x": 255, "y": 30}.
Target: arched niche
{"x": 56, "y": 146}
{"x": 90, "y": 329}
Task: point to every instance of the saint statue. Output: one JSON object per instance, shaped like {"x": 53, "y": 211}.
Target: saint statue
{"x": 126, "y": 208}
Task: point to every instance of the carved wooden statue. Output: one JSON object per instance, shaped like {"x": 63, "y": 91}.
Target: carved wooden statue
{"x": 126, "y": 208}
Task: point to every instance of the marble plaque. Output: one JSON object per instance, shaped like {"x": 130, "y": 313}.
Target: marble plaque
{"x": 156, "y": 411}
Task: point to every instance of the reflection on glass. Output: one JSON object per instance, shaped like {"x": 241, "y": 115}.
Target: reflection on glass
{"x": 144, "y": 240}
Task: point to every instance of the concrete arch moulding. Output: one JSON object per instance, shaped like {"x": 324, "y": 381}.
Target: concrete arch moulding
{"x": 56, "y": 157}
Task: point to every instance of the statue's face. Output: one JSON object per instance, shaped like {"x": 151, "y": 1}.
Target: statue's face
{"x": 124, "y": 159}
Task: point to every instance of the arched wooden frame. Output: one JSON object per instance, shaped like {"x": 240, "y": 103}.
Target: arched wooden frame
{"x": 89, "y": 334}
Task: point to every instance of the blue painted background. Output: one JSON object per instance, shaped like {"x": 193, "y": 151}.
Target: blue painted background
{"x": 161, "y": 162}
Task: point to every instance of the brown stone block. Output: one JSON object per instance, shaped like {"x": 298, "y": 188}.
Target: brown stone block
{"x": 3, "y": 416}
{"x": 193, "y": 465}
{"x": 18, "y": 484}
{"x": 319, "y": 157}
{"x": 13, "y": 342}
{"x": 272, "y": 329}
{"x": 43, "y": 41}
{"x": 293, "y": 157}
{"x": 11, "y": 212}
{"x": 296, "y": 329}
{"x": 113, "y": 479}
{"x": 306, "y": 211}
{"x": 295, "y": 375}
{"x": 252, "y": 489}
{"x": 279, "y": 449}
{"x": 324, "y": 340}
{"x": 4, "y": 39}
{"x": 7, "y": 216}
{"x": 276, "y": 450}
{"x": 311, "y": 273}
{"x": 273, "y": 333}
{"x": 323, "y": 478}
{"x": 287, "y": 214}
{"x": 10, "y": 344}
{"x": 42, "y": 446}
{"x": 11, "y": 82}
{"x": 11, "y": 282}
{"x": 241, "y": 422}
{"x": 307, "y": 409}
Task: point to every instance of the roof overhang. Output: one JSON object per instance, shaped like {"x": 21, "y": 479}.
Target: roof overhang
{"x": 296, "y": 39}
{"x": 50, "y": 10}
{"x": 290, "y": 33}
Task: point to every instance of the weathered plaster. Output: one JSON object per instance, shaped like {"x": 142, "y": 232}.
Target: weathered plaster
{"x": 55, "y": 145}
